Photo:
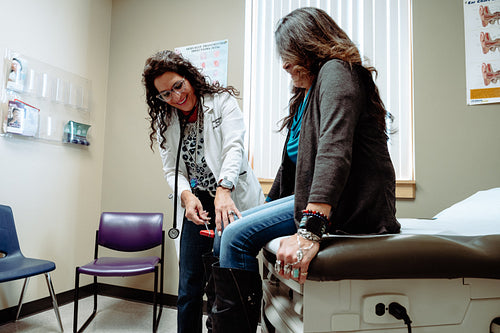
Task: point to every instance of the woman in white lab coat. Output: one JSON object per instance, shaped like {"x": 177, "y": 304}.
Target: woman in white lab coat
{"x": 200, "y": 130}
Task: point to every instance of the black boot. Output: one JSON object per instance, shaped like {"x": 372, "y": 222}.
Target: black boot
{"x": 238, "y": 296}
{"x": 208, "y": 260}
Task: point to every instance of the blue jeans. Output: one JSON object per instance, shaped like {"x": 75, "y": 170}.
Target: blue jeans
{"x": 192, "y": 279}
{"x": 243, "y": 239}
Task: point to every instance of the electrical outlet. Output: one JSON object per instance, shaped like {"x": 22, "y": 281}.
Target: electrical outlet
{"x": 376, "y": 308}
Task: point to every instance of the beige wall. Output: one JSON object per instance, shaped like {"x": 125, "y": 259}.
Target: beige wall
{"x": 456, "y": 146}
{"x": 55, "y": 190}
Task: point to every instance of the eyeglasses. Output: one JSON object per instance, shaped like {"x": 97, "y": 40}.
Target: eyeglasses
{"x": 177, "y": 88}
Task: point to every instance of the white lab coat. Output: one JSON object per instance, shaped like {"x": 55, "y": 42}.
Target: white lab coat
{"x": 223, "y": 134}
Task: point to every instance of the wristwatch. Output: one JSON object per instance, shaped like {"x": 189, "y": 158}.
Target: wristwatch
{"x": 227, "y": 184}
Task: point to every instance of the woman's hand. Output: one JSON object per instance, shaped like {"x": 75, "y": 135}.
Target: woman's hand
{"x": 288, "y": 255}
{"x": 297, "y": 252}
{"x": 225, "y": 209}
{"x": 294, "y": 247}
{"x": 194, "y": 208}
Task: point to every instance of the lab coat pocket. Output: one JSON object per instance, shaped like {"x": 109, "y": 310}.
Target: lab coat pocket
{"x": 243, "y": 176}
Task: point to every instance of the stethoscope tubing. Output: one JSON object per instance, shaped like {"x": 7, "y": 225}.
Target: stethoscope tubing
{"x": 174, "y": 232}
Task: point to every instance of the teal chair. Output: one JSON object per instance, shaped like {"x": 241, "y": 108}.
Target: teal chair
{"x": 14, "y": 265}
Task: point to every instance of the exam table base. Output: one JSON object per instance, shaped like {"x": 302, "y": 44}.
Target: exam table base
{"x": 461, "y": 305}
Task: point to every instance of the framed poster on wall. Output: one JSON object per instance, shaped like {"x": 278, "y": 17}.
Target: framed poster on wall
{"x": 482, "y": 51}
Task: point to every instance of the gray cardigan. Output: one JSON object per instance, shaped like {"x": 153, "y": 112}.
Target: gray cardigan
{"x": 343, "y": 159}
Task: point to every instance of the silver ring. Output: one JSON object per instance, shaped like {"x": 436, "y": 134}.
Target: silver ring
{"x": 231, "y": 212}
{"x": 277, "y": 266}
{"x": 300, "y": 254}
{"x": 287, "y": 269}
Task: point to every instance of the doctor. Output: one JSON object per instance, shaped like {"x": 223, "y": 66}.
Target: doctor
{"x": 214, "y": 180}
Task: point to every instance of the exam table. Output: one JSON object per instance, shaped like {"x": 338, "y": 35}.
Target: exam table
{"x": 444, "y": 271}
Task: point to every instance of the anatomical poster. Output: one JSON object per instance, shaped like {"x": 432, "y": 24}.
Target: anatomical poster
{"x": 482, "y": 51}
{"x": 210, "y": 58}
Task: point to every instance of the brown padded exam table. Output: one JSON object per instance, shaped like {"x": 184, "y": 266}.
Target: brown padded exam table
{"x": 445, "y": 272}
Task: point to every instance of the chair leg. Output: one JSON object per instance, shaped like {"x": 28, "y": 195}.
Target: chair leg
{"x": 54, "y": 300}
{"x": 75, "y": 311}
{"x": 155, "y": 299}
{"x": 75, "y": 303}
{"x": 95, "y": 294}
{"x": 26, "y": 281}
{"x": 156, "y": 303}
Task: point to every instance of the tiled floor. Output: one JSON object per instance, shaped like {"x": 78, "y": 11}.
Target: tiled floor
{"x": 113, "y": 315}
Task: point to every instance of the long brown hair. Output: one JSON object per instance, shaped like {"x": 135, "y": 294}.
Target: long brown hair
{"x": 307, "y": 38}
{"x": 160, "y": 112}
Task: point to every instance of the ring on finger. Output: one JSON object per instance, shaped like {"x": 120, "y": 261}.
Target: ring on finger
{"x": 287, "y": 269}
{"x": 230, "y": 212}
{"x": 277, "y": 266}
{"x": 295, "y": 273}
{"x": 300, "y": 255}
{"x": 303, "y": 273}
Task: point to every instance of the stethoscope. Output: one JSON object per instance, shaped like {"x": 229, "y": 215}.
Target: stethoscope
{"x": 173, "y": 232}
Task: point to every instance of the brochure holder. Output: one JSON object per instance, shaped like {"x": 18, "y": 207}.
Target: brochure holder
{"x": 43, "y": 102}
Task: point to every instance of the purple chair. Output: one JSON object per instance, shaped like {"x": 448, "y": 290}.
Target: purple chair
{"x": 14, "y": 265}
{"x": 125, "y": 232}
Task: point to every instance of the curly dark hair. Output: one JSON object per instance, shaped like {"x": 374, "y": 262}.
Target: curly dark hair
{"x": 308, "y": 37}
{"x": 160, "y": 112}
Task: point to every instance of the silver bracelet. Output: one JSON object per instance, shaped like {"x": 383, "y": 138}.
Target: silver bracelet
{"x": 308, "y": 235}
{"x": 306, "y": 248}
{"x": 300, "y": 251}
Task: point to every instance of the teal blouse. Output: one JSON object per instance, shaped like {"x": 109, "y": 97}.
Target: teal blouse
{"x": 292, "y": 145}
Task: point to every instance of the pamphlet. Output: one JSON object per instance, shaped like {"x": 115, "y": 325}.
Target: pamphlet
{"x": 15, "y": 80}
{"x": 22, "y": 118}
{"x": 76, "y": 133}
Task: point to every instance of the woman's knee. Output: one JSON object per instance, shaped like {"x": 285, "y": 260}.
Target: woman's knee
{"x": 234, "y": 238}
{"x": 229, "y": 235}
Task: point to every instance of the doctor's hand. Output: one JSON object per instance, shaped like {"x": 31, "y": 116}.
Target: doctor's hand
{"x": 294, "y": 256}
{"x": 194, "y": 208}
{"x": 225, "y": 209}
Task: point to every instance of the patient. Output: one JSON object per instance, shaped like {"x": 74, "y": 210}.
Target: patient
{"x": 336, "y": 174}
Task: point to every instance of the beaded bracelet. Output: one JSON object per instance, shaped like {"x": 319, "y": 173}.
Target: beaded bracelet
{"x": 309, "y": 212}
{"x": 313, "y": 224}
{"x": 314, "y": 221}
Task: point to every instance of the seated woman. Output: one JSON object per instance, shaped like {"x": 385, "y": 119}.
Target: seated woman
{"x": 336, "y": 174}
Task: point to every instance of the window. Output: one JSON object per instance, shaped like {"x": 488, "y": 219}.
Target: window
{"x": 382, "y": 31}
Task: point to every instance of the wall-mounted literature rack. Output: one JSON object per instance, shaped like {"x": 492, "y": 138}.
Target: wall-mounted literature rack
{"x": 43, "y": 102}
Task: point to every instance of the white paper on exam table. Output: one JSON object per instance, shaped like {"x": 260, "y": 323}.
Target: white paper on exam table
{"x": 477, "y": 215}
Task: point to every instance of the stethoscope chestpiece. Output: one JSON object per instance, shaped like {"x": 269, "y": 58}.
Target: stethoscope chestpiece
{"x": 173, "y": 233}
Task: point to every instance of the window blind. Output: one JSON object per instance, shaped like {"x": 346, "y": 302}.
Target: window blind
{"x": 382, "y": 31}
